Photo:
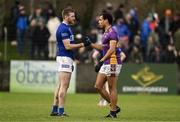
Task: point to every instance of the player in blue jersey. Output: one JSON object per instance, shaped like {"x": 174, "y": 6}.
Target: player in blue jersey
{"x": 65, "y": 45}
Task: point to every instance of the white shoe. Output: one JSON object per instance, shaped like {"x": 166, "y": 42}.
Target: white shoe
{"x": 105, "y": 103}
{"x": 100, "y": 103}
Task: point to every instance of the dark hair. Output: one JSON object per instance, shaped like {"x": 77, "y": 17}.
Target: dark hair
{"x": 66, "y": 12}
{"x": 17, "y": 2}
{"x": 121, "y": 6}
{"x": 107, "y": 16}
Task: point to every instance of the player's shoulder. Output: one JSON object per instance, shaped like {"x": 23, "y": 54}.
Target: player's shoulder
{"x": 63, "y": 27}
{"x": 113, "y": 34}
{"x": 112, "y": 30}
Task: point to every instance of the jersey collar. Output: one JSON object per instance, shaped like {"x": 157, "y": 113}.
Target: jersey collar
{"x": 64, "y": 23}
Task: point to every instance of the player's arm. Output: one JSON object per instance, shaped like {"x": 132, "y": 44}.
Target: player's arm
{"x": 123, "y": 56}
{"x": 112, "y": 49}
{"x": 70, "y": 46}
{"x": 97, "y": 46}
{"x": 87, "y": 42}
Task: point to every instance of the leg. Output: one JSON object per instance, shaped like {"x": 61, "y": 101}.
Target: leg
{"x": 106, "y": 87}
{"x": 50, "y": 49}
{"x": 102, "y": 101}
{"x": 99, "y": 85}
{"x": 60, "y": 92}
{"x": 54, "y": 49}
{"x": 56, "y": 100}
{"x": 112, "y": 81}
{"x": 19, "y": 41}
{"x": 64, "y": 81}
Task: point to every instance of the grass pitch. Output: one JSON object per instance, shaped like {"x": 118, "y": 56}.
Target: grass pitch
{"x": 24, "y": 107}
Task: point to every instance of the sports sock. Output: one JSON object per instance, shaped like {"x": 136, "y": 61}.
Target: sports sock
{"x": 54, "y": 109}
{"x": 60, "y": 110}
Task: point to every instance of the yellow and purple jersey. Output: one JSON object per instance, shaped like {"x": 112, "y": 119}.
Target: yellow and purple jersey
{"x": 107, "y": 37}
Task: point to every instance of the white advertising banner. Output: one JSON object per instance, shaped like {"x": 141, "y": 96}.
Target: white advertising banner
{"x": 37, "y": 76}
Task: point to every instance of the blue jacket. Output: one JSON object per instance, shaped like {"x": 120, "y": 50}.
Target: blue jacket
{"x": 145, "y": 31}
{"x": 122, "y": 30}
{"x": 22, "y": 23}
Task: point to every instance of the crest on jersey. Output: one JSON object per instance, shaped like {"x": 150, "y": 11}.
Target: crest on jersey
{"x": 64, "y": 34}
{"x": 72, "y": 38}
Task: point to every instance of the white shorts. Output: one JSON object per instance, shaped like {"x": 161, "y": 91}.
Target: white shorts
{"x": 110, "y": 69}
{"x": 65, "y": 64}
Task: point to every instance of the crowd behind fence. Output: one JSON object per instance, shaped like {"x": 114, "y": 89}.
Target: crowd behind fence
{"x": 154, "y": 40}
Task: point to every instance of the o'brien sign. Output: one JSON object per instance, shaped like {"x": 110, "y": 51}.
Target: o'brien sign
{"x": 36, "y": 76}
{"x": 31, "y": 73}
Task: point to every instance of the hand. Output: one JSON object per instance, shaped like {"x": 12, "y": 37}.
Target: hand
{"x": 98, "y": 66}
{"x": 87, "y": 41}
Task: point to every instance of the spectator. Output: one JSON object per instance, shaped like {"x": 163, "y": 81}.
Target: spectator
{"x": 123, "y": 32}
{"x": 42, "y": 36}
{"x": 32, "y": 38}
{"x": 156, "y": 55}
{"x": 131, "y": 26}
{"x": 136, "y": 43}
{"x": 94, "y": 22}
{"x": 145, "y": 31}
{"x": 135, "y": 22}
{"x": 170, "y": 54}
{"x": 47, "y": 10}
{"x": 14, "y": 17}
{"x": 21, "y": 25}
{"x": 52, "y": 26}
{"x": 119, "y": 12}
{"x": 165, "y": 28}
{"x": 176, "y": 22}
{"x": 136, "y": 55}
{"x": 109, "y": 8}
{"x": 150, "y": 46}
{"x": 38, "y": 15}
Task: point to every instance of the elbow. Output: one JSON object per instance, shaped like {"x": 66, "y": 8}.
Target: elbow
{"x": 124, "y": 56}
{"x": 68, "y": 47}
{"x": 112, "y": 50}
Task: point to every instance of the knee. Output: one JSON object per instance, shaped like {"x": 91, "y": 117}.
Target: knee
{"x": 113, "y": 91}
{"x": 56, "y": 96}
{"x": 64, "y": 87}
{"x": 61, "y": 94}
{"x": 97, "y": 87}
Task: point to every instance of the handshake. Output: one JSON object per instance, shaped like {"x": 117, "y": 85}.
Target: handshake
{"x": 87, "y": 41}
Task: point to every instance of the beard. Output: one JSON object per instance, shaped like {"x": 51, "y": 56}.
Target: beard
{"x": 72, "y": 22}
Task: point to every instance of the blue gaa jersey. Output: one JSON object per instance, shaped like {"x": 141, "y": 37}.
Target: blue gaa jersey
{"x": 64, "y": 32}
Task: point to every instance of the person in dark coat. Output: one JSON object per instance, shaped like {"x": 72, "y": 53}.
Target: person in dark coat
{"x": 41, "y": 39}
